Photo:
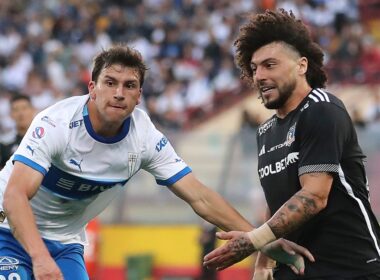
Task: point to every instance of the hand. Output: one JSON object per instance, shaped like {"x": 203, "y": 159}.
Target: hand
{"x": 263, "y": 274}
{"x": 238, "y": 247}
{"x": 45, "y": 268}
{"x": 289, "y": 253}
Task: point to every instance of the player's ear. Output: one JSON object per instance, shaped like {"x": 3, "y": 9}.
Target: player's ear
{"x": 302, "y": 65}
{"x": 140, "y": 96}
{"x": 91, "y": 86}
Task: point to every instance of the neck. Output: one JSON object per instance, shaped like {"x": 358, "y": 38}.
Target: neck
{"x": 101, "y": 126}
{"x": 299, "y": 94}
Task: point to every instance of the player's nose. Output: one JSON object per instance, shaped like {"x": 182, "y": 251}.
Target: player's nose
{"x": 119, "y": 93}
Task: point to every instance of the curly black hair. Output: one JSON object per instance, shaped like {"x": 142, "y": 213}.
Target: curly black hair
{"x": 279, "y": 26}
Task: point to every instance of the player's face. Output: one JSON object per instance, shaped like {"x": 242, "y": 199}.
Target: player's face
{"x": 275, "y": 73}
{"x": 22, "y": 112}
{"x": 116, "y": 93}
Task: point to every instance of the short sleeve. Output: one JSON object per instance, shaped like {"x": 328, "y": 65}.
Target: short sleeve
{"x": 322, "y": 132}
{"x": 43, "y": 140}
{"x": 161, "y": 160}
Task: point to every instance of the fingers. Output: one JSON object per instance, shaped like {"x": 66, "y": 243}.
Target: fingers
{"x": 224, "y": 235}
{"x": 287, "y": 248}
{"x": 237, "y": 248}
{"x": 219, "y": 263}
{"x": 299, "y": 263}
{"x": 299, "y": 268}
{"x": 219, "y": 260}
{"x": 294, "y": 269}
{"x": 215, "y": 253}
{"x": 305, "y": 252}
{"x": 299, "y": 250}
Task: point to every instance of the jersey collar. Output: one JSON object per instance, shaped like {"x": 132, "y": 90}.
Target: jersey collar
{"x": 107, "y": 140}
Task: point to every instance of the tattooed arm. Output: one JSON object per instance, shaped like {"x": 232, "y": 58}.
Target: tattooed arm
{"x": 301, "y": 207}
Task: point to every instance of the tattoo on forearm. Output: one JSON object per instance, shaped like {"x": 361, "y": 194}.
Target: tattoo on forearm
{"x": 299, "y": 209}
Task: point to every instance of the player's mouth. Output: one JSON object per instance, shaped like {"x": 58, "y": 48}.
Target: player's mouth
{"x": 118, "y": 107}
{"x": 267, "y": 90}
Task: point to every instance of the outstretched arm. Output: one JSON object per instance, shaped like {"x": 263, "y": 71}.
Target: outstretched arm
{"x": 209, "y": 204}
{"x": 302, "y": 206}
{"x": 213, "y": 208}
{"x": 23, "y": 184}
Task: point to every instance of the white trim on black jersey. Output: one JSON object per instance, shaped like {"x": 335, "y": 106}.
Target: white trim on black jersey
{"x": 318, "y": 95}
{"x": 362, "y": 208}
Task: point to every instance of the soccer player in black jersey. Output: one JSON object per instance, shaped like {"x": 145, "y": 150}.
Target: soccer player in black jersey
{"x": 310, "y": 164}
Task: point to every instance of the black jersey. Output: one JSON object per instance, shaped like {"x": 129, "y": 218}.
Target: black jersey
{"x": 318, "y": 136}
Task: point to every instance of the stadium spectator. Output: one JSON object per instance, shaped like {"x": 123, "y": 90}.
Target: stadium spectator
{"x": 310, "y": 164}
{"x": 74, "y": 160}
{"x": 56, "y": 38}
{"x": 22, "y": 112}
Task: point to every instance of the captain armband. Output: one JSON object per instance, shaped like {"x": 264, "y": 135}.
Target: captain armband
{"x": 261, "y": 236}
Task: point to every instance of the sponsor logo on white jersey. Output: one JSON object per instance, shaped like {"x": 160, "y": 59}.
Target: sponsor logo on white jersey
{"x": 279, "y": 165}
{"x": 38, "y": 132}
{"x": 162, "y": 143}
{"x": 48, "y": 120}
{"x": 76, "y": 123}
{"x": 76, "y": 163}
{"x": 30, "y": 149}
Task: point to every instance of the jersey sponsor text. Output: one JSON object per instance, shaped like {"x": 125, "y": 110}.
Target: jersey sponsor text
{"x": 278, "y": 166}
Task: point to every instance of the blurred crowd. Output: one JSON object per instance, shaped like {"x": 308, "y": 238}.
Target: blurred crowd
{"x": 47, "y": 46}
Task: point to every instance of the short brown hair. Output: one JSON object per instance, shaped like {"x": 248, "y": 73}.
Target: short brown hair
{"x": 119, "y": 54}
{"x": 278, "y": 26}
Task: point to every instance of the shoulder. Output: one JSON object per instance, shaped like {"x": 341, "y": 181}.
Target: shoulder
{"x": 322, "y": 104}
{"x": 140, "y": 115}
{"x": 67, "y": 105}
{"x": 141, "y": 119}
{"x": 323, "y": 112}
{"x": 319, "y": 97}
{"x": 62, "y": 112}
{"x": 142, "y": 127}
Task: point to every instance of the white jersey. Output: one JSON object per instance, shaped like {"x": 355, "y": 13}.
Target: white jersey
{"x": 84, "y": 171}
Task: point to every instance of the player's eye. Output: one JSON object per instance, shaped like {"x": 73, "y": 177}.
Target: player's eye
{"x": 131, "y": 85}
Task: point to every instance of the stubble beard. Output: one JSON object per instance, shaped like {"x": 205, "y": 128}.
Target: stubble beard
{"x": 284, "y": 93}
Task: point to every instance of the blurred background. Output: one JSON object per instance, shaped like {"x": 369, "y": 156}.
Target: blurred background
{"x": 194, "y": 95}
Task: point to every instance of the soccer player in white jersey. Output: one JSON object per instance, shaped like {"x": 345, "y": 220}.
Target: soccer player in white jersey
{"x": 76, "y": 157}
